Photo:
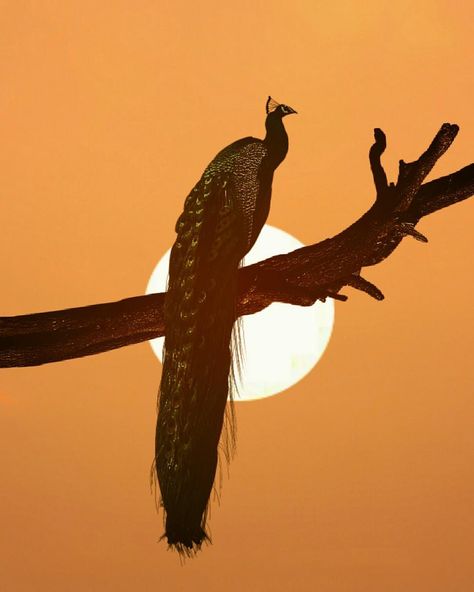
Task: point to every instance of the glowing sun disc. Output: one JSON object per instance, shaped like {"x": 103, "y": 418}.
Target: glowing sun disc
{"x": 282, "y": 342}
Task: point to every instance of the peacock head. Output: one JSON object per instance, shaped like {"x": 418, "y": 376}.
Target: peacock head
{"x": 280, "y": 110}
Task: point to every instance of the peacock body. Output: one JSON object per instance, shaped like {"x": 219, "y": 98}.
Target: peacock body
{"x": 221, "y": 220}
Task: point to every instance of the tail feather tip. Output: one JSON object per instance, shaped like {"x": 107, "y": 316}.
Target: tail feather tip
{"x": 187, "y": 545}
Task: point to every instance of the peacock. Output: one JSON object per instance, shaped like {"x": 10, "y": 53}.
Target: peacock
{"x": 221, "y": 220}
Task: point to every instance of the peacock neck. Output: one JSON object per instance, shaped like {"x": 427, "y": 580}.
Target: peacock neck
{"x": 276, "y": 138}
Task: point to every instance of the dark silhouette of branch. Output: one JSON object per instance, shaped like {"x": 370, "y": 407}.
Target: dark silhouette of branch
{"x": 314, "y": 272}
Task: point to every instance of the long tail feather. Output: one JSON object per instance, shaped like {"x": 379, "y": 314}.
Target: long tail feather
{"x": 199, "y": 316}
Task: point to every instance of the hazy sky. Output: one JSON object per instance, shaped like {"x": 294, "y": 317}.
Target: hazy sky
{"x": 360, "y": 477}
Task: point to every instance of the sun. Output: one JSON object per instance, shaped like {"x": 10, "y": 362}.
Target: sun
{"x": 282, "y": 342}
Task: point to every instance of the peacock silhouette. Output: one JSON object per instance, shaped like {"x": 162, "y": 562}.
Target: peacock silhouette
{"x": 222, "y": 218}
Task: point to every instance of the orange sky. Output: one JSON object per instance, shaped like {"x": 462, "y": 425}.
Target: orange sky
{"x": 360, "y": 477}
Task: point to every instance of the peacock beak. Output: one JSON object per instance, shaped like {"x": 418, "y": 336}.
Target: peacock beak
{"x": 291, "y": 111}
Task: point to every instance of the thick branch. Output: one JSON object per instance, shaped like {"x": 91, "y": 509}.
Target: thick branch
{"x": 301, "y": 277}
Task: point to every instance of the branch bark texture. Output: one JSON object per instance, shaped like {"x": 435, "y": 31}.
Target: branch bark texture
{"x": 311, "y": 273}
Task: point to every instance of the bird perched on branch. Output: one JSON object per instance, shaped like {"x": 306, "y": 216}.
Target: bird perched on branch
{"x": 221, "y": 220}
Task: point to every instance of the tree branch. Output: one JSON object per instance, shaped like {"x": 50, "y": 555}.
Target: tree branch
{"x": 308, "y": 274}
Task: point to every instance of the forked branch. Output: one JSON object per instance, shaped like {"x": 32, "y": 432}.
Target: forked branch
{"x": 315, "y": 272}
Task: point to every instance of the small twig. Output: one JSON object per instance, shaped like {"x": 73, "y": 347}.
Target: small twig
{"x": 359, "y": 283}
{"x": 408, "y": 229}
{"x": 378, "y": 173}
